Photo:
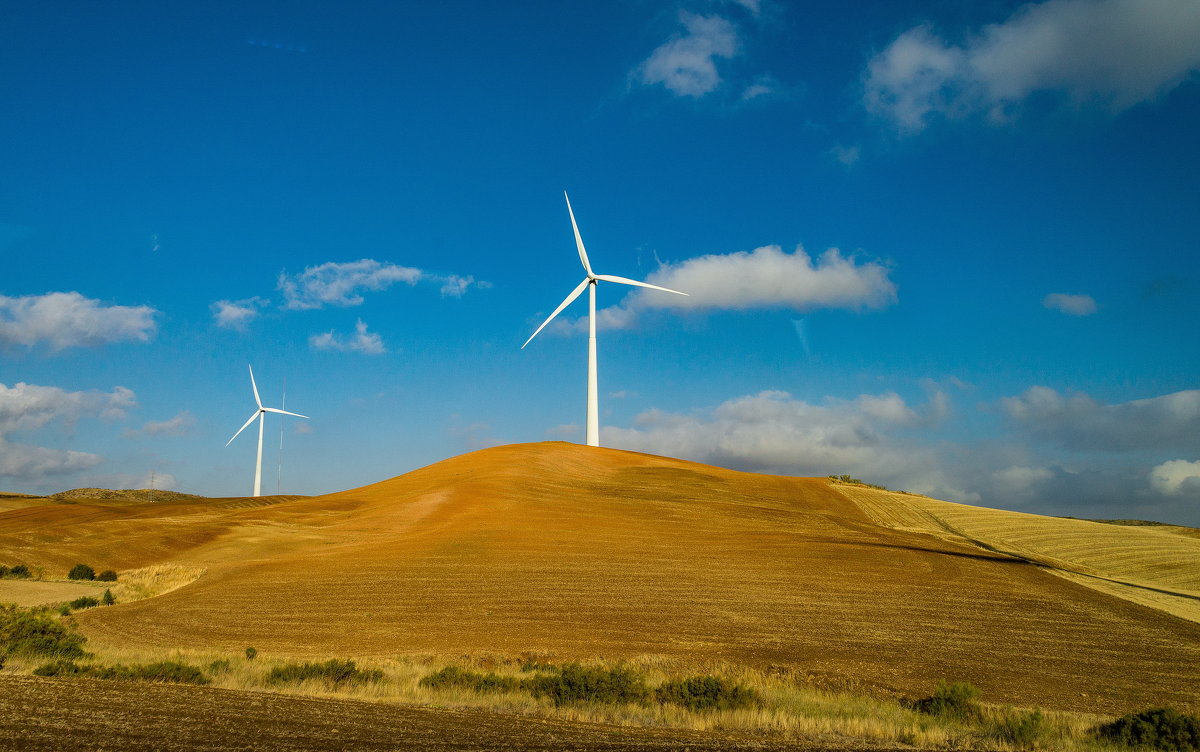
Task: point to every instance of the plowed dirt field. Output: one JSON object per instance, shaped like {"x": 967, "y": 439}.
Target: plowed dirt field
{"x": 51, "y": 715}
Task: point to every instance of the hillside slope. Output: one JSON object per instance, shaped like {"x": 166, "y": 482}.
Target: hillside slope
{"x": 577, "y": 552}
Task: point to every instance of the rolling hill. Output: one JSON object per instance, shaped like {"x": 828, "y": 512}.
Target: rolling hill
{"x": 574, "y": 552}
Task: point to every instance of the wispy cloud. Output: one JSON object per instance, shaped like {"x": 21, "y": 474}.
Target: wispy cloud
{"x": 237, "y": 314}
{"x": 361, "y": 341}
{"x": 67, "y": 319}
{"x": 180, "y": 425}
{"x": 1073, "y": 305}
{"x": 686, "y": 63}
{"x": 767, "y": 277}
{"x": 28, "y": 407}
{"x": 343, "y": 283}
{"x": 1116, "y": 53}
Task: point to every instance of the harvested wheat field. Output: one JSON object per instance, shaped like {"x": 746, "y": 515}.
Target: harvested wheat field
{"x": 567, "y": 552}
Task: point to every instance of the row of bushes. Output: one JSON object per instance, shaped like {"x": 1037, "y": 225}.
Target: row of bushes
{"x": 1159, "y": 729}
{"x": 575, "y": 684}
{"x": 84, "y": 572}
{"x": 36, "y": 633}
{"x": 164, "y": 671}
{"x": 333, "y": 672}
{"x": 15, "y": 572}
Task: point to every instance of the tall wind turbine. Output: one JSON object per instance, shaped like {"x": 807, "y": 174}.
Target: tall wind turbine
{"x": 259, "y": 413}
{"x": 590, "y": 281}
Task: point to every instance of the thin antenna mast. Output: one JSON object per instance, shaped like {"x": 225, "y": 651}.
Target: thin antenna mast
{"x": 279, "y": 466}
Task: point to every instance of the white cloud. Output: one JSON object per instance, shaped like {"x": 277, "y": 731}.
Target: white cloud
{"x": 1078, "y": 421}
{"x": 363, "y": 341}
{"x": 686, "y": 64}
{"x": 237, "y": 314}
{"x": 1114, "y": 52}
{"x": 177, "y": 426}
{"x": 342, "y": 284}
{"x": 68, "y": 319}
{"x": 1176, "y": 478}
{"x": 28, "y": 407}
{"x": 776, "y": 433}
{"x": 766, "y": 277}
{"x": 846, "y": 155}
{"x": 1073, "y": 305}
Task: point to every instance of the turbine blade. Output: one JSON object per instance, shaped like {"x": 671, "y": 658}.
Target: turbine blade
{"x": 243, "y": 428}
{"x": 282, "y": 412}
{"x": 254, "y": 387}
{"x": 587, "y": 267}
{"x": 635, "y": 283}
{"x": 570, "y": 299}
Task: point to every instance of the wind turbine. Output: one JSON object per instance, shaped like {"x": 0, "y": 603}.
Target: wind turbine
{"x": 259, "y": 413}
{"x": 590, "y": 281}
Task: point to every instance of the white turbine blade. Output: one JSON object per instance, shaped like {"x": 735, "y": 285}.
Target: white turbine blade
{"x": 570, "y": 299}
{"x": 283, "y": 412}
{"x": 635, "y": 283}
{"x": 243, "y": 428}
{"x": 254, "y": 387}
{"x": 587, "y": 267}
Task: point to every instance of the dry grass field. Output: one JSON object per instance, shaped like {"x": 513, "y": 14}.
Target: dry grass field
{"x": 570, "y": 552}
{"x": 1157, "y": 566}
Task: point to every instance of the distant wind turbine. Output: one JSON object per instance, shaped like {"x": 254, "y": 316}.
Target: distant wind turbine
{"x": 590, "y": 281}
{"x": 259, "y": 413}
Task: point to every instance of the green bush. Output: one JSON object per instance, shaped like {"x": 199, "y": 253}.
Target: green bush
{"x": 26, "y": 633}
{"x": 107, "y": 576}
{"x": 455, "y": 677}
{"x": 220, "y": 666}
{"x": 579, "y": 684}
{"x": 81, "y": 572}
{"x": 20, "y": 572}
{"x": 1160, "y": 728}
{"x": 169, "y": 672}
{"x": 251, "y": 653}
{"x": 108, "y": 598}
{"x": 84, "y": 601}
{"x": 333, "y": 672}
{"x": 955, "y": 700}
{"x": 1021, "y": 730}
{"x": 707, "y": 693}
{"x": 3, "y": 571}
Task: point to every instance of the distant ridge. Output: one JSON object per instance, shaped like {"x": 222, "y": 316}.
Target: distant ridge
{"x": 108, "y": 494}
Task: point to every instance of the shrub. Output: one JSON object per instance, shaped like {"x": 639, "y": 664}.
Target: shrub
{"x": 332, "y": 671}
{"x": 955, "y": 700}
{"x": 1160, "y": 728}
{"x": 576, "y": 684}
{"x": 108, "y": 598}
{"x": 3, "y": 571}
{"x": 707, "y": 693}
{"x": 107, "y": 576}
{"x": 20, "y": 571}
{"x": 1021, "y": 730}
{"x": 25, "y": 633}
{"x": 220, "y": 666}
{"x": 84, "y": 601}
{"x": 81, "y": 572}
{"x": 453, "y": 676}
{"x": 170, "y": 672}
{"x": 251, "y": 653}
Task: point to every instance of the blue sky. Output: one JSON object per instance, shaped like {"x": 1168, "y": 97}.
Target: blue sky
{"x": 946, "y": 247}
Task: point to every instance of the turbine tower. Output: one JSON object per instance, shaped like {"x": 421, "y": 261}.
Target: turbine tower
{"x": 590, "y": 281}
{"x": 259, "y": 413}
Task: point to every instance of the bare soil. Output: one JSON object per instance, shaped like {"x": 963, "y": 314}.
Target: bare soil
{"x": 82, "y": 714}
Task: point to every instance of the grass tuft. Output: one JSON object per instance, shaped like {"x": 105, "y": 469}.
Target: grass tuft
{"x": 332, "y": 672}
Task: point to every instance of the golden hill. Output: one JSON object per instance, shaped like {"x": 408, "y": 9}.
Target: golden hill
{"x": 577, "y": 552}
